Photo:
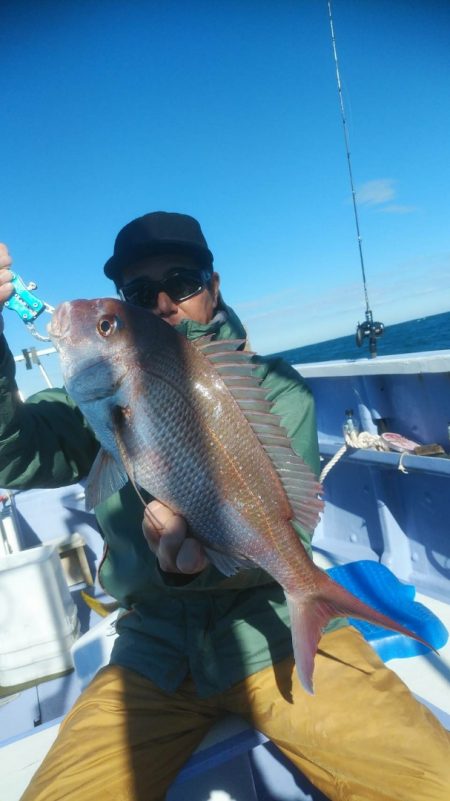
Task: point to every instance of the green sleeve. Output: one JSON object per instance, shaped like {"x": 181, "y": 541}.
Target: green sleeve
{"x": 294, "y": 403}
{"x": 45, "y": 441}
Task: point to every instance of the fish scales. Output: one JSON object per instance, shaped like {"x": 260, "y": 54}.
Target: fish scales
{"x": 167, "y": 414}
{"x": 212, "y": 457}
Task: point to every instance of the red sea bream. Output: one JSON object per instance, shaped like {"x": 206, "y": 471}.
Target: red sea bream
{"x": 189, "y": 423}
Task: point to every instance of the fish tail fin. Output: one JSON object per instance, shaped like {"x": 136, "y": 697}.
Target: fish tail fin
{"x": 311, "y": 613}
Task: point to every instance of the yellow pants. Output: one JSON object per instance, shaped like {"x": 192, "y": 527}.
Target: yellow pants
{"x": 361, "y": 737}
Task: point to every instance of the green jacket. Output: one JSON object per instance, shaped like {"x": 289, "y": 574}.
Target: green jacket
{"x": 219, "y": 629}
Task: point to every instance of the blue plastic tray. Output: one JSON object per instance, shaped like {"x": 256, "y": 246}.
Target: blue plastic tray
{"x": 376, "y": 585}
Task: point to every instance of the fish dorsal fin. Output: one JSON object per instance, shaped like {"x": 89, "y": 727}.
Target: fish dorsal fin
{"x": 104, "y": 479}
{"x": 239, "y": 372}
{"x": 209, "y": 345}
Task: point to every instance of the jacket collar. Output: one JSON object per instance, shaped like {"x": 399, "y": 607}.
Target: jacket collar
{"x": 224, "y": 325}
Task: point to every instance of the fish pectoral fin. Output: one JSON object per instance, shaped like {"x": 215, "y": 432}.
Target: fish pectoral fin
{"x": 310, "y": 614}
{"x": 104, "y": 479}
{"x": 120, "y": 417}
{"x": 226, "y": 564}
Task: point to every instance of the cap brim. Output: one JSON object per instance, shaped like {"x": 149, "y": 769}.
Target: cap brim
{"x": 115, "y": 265}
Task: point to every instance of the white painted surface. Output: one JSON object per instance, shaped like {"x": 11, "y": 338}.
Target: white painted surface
{"x": 20, "y": 760}
{"x": 428, "y": 675}
{"x": 424, "y": 362}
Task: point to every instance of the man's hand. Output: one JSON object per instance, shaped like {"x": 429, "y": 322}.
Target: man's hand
{"x": 166, "y": 535}
{"x": 6, "y": 287}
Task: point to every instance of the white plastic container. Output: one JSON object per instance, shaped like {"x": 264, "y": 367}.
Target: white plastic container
{"x": 38, "y": 618}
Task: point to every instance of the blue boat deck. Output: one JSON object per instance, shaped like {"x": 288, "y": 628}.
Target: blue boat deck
{"x": 374, "y": 512}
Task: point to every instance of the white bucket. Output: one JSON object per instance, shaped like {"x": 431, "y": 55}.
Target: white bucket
{"x": 38, "y": 618}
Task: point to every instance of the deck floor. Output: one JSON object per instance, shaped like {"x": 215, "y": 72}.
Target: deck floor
{"x": 427, "y": 676}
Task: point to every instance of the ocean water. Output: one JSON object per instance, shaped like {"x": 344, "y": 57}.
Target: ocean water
{"x": 423, "y": 334}
{"x": 426, "y": 333}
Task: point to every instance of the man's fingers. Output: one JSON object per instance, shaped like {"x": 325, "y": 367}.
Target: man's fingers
{"x": 153, "y": 518}
{"x": 5, "y": 258}
{"x": 158, "y": 515}
{"x": 165, "y": 533}
{"x": 191, "y": 557}
{"x": 170, "y": 545}
{"x": 6, "y": 287}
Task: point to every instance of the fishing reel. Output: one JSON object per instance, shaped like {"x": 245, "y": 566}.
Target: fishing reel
{"x": 369, "y": 329}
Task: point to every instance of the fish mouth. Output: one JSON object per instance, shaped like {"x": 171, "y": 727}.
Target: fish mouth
{"x": 57, "y": 338}
{"x": 59, "y": 326}
{"x": 52, "y": 334}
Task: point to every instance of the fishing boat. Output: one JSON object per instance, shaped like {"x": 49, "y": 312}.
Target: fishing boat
{"x": 383, "y": 426}
{"x": 384, "y": 533}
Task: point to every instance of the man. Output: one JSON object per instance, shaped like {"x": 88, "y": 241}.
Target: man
{"x": 193, "y": 644}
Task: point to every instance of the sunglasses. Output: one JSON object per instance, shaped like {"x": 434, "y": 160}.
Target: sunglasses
{"x": 179, "y": 285}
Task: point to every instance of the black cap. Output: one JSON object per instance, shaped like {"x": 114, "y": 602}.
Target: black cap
{"x": 158, "y": 232}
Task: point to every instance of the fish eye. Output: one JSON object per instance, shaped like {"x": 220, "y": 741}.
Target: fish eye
{"x": 107, "y": 325}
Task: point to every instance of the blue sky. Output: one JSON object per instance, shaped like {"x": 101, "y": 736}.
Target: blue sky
{"x": 229, "y": 111}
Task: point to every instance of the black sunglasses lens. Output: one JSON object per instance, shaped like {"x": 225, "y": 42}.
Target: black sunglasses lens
{"x": 141, "y": 293}
{"x": 182, "y": 286}
{"x": 179, "y": 286}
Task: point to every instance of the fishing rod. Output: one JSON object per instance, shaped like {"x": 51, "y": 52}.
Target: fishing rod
{"x": 369, "y": 328}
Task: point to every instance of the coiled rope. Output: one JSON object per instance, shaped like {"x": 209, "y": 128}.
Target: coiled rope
{"x": 353, "y": 441}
